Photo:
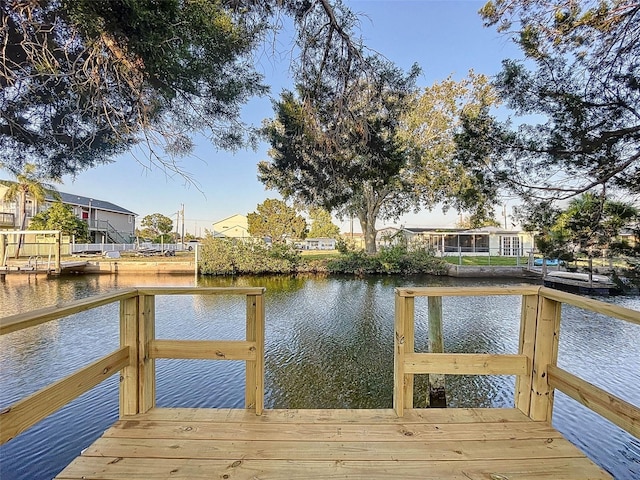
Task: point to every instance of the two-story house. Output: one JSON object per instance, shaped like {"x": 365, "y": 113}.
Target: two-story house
{"x": 108, "y": 222}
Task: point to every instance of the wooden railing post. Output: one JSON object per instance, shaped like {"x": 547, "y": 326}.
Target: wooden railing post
{"x": 437, "y": 396}
{"x": 526, "y": 347}
{"x": 545, "y": 354}
{"x": 254, "y": 389}
{"x": 403, "y": 342}
{"x": 129, "y": 378}
{"x": 146, "y": 365}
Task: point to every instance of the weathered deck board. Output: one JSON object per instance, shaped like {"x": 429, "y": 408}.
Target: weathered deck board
{"x": 331, "y": 444}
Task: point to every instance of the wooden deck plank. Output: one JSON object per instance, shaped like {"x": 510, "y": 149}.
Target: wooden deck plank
{"x": 370, "y": 432}
{"x": 336, "y": 450}
{"x": 311, "y": 416}
{"x": 116, "y": 468}
{"x": 331, "y": 444}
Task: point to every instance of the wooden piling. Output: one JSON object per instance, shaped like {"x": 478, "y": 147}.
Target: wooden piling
{"x": 437, "y": 397}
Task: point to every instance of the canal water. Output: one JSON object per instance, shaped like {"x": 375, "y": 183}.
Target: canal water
{"x": 329, "y": 344}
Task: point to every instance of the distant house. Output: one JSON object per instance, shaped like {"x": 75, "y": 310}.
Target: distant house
{"x": 318, "y": 244}
{"x": 354, "y": 239}
{"x": 453, "y": 241}
{"x": 235, "y": 226}
{"x": 108, "y": 222}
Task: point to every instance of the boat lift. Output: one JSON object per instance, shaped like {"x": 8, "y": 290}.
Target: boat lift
{"x": 35, "y": 264}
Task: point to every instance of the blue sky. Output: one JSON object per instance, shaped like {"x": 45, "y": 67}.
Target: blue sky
{"x": 443, "y": 37}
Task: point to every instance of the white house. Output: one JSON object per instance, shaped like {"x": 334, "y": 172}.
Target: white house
{"x": 454, "y": 241}
{"x": 319, "y": 243}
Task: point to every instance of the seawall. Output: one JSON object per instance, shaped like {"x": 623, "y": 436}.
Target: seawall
{"x": 473, "y": 271}
{"x": 156, "y": 268}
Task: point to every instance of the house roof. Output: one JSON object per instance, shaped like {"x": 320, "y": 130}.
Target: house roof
{"x": 244, "y": 217}
{"x": 79, "y": 200}
{"x": 462, "y": 231}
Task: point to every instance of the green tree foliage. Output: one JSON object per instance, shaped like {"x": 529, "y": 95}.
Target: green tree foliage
{"x": 590, "y": 224}
{"x": 83, "y": 80}
{"x": 578, "y": 94}
{"x": 322, "y": 225}
{"x": 430, "y": 125}
{"x": 156, "y": 227}
{"x": 359, "y": 171}
{"x": 60, "y": 217}
{"x": 275, "y": 219}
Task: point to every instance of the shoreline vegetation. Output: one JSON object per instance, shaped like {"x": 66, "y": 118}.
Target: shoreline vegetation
{"x": 232, "y": 258}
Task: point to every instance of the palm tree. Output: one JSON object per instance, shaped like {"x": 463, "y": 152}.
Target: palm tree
{"x": 27, "y": 184}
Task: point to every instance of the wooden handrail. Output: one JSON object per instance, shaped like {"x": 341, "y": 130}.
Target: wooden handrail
{"x": 607, "y": 309}
{"x": 20, "y": 321}
{"x": 138, "y": 350}
{"x": 466, "y": 291}
{"x": 30, "y": 410}
{"x": 611, "y": 407}
{"x": 201, "y": 290}
{"x": 535, "y": 364}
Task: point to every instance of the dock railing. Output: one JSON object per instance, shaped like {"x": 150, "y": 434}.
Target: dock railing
{"x": 535, "y": 364}
{"x": 135, "y": 359}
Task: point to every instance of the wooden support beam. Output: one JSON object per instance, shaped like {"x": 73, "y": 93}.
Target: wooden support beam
{"x": 409, "y": 346}
{"x": 129, "y": 378}
{"x": 403, "y": 316}
{"x": 254, "y": 389}
{"x": 146, "y": 363}
{"x": 203, "y": 349}
{"x": 466, "y": 364}
{"x": 545, "y": 354}
{"x": 437, "y": 396}
{"x": 526, "y": 347}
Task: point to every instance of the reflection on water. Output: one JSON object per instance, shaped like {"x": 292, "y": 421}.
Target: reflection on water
{"x": 329, "y": 344}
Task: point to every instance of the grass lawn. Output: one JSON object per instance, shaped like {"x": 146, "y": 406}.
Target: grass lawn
{"x": 319, "y": 254}
{"x": 482, "y": 261}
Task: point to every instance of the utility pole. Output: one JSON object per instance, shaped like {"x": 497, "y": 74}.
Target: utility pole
{"x": 182, "y": 238}
{"x": 177, "y": 223}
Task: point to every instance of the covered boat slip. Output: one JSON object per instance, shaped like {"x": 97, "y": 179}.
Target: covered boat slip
{"x": 256, "y": 443}
{"x": 495, "y": 444}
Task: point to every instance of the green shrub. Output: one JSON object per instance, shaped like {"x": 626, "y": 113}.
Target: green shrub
{"x": 229, "y": 257}
{"x": 390, "y": 260}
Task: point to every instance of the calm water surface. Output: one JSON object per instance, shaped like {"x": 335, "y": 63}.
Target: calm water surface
{"x": 329, "y": 344}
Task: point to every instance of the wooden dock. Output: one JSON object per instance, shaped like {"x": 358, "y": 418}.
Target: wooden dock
{"x": 497, "y": 444}
{"x": 401, "y": 443}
